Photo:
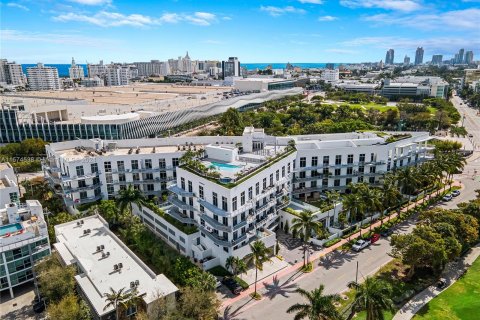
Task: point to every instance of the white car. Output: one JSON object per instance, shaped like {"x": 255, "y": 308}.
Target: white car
{"x": 360, "y": 245}
{"x": 447, "y": 197}
{"x": 455, "y": 193}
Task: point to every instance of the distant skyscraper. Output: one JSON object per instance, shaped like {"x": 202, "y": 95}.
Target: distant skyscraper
{"x": 419, "y": 56}
{"x": 390, "y": 56}
{"x": 406, "y": 60}
{"x": 231, "y": 68}
{"x": 43, "y": 78}
{"x": 75, "y": 72}
{"x": 11, "y": 73}
{"x": 468, "y": 57}
{"x": 460, "y": 56}
{"x": 437, "y": 59}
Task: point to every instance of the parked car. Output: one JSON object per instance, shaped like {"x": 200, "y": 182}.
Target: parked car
{"x": 360, "y": 245}
{"x": 456, "y": 193}
{"x": 375, "y": 237}
{"x": 441, "y": 284}
{"x": 386, "y": 233}
{"x": 232, "y": 285}
{"x": 38, "y": 304}
{"x": 447, "y": 197}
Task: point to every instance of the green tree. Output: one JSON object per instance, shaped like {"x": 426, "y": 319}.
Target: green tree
{"x": 231, "y": 122}
{"x": 55, "y": 281}
{"x": 108, "y": 209}
{"x": 195, "y": 303}
{"x": 128, "y": 197}
{"x": 260, "y": 254}
{"x": 307, "y": 226}
{"x": 372, "y": 296}
{"x": 116, "y": 299}
{"x": 68, "y": 308}
{"x": 317, "y": 307}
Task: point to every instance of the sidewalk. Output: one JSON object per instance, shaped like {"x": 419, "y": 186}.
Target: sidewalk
{"x": 450, "y": 274}
{"x": 295, "y": 268}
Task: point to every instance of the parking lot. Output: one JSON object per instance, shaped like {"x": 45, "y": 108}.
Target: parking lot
{"x": 20, "y": 307}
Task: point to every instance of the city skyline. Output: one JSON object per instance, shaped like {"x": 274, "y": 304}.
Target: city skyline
{"x": 256, "y": 32}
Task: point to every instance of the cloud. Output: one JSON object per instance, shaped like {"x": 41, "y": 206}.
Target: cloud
{"x": 445, "y": 45}
{"x": 311, "y": 1}
{"x": 466, "y": 19}
{"x": 278, "y": 11}
{"x": 9, "y": 35}
{"x": 92, "y": 2}
{"x": 17, "y": 5}
{"x": 327, "y": 18}
{"x": 398, "y": 5}
{"x": 115, "y": 19}
{"x": 211, "y": 41}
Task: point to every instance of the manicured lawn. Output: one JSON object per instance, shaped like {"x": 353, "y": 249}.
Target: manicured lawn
{"x": 461, "y": 301}
{"x": 377, "y": 106}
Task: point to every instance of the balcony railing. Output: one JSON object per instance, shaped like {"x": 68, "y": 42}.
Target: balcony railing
{"x": 177, "y": 190}
{"x": 215, "y": 224}
{"x": 78, "y": 189}
{"x": 342, "y": 165}
{"x": 210, "y": 207}
{"x": 180, "y": 204}
{"x": 215, "y": 237}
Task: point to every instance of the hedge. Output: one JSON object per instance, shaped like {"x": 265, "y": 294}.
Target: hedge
{"x": 331, "y": 242}
{"x": 242, "y": 283}
{"x": 219, "y": 271}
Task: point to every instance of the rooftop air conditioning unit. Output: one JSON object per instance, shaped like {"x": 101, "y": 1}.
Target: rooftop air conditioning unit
{"x": 115, "y": 267}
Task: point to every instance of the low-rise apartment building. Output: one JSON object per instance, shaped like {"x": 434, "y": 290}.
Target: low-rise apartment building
{"x": 228, "y": 190}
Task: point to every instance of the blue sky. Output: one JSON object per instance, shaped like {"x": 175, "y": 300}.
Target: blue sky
{"x": 254, "y": 30}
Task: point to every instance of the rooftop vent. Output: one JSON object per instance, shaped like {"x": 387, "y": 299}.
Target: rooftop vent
{"x": 105, "y": 254}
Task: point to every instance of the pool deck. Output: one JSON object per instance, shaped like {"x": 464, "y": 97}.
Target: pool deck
{"x": 11, "y": 229}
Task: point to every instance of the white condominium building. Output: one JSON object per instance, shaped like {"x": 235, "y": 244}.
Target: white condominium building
{"x": 23, "y": 234}
{"x": 120, "y": 75}
{"x": 76, "y": 72}
{"x": 11, "y": 73}
{"x": 43, "y": 78}
{"x": 231, "y": 191}
{"x": 103, "y": 261}
{"x": 330, "y": 75}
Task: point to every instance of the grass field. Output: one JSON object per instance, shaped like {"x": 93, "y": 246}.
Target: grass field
{"x": 459, "y": 302}
{"x": 377, "y": 106}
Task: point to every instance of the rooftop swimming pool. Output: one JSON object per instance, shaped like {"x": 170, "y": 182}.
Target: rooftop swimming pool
{"x": 10, "y": 228}
{"x": 225, "y": 166}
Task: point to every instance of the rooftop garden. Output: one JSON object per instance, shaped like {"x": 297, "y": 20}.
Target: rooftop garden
{"x": 397, "y": 137}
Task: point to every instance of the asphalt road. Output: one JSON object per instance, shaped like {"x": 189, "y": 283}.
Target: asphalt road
{"x": 336, "y": 270}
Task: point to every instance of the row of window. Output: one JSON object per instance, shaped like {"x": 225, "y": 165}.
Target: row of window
{"x": 338, "y": 160}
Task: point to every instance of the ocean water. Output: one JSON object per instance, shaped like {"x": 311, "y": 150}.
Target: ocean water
{"x": 63, "y": 68}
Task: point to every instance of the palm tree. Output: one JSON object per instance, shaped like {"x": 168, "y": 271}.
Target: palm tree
{"x": 408, "y": 180}
{"x": 260, "y": 255}
{"x": 332, "y": 198}
{"x": 318, "y": 306}
{"x": 307, "y": 226}
{"x": 128, "y": 197}
{"x": 390, "y": 194}
{"x": 371, "y": 199}
{"x": 241, "y": 266}
{"x": 352, "y": 203}
{"x": 372, "y": 296}
{"x": 230, "y": 264}
{"x": 454, "y": 164}
{"x": 115, "y": 299}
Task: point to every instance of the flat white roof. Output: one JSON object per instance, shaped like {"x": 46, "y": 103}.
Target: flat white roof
{"x": 99, "y": 274}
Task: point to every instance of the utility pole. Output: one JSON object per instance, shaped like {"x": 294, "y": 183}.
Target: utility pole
{"x": 356, "y": 275}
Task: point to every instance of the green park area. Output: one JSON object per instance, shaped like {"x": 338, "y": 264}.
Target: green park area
{"x": 461, "y": 301}
{"x": 381, "y": 107}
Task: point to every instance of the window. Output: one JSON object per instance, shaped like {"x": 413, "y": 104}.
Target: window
{"x": 348, "y": 181}
{"x": 148, "y": 163}
{"x": 162, "y": 164}
{"x": 215, "y": 199}
{"x": 83, "y": 194}
{"x": 264, "y": 183}
{"x": 163, "y": 175}
{"x": 288, "y": 167}
{"x": 250, "y": 193}
{"x": 108, "y": 166}
{"x": 313, "y": 173}
{"x": 303, "y": 162}
{"x": 13, "y": 197}
{"x": 283, "y": 172}
{"x": 108, "y": 178}
{"x": 82, "y": 184}
{"x": 372, "y": 157}
{"x": 338, "y": 159}
{"x": 350, "y": 158}
{"x": 271, "y": 180}
{"x": 302, "y": 174}
{"x": 136, "y": 177}
{"x": 277, "y": 175}
{"x": 200, "y": 192}
{"x": 313, "y": 184}
{"x": 314, "y": 161}
{"x": 79, "y": 170}
{"x": 336, "y": 183}
{"x": 242, "y": 198}
{"x": 134, "y": 164}
{"x": 175, "y": 162}
{"x": 373, "y": 169}
{"x": 361, "y": 169}
{"x": 326, "y": 160}
{"x": 234, "y": 205}
{"x": 362, "y": 158}
{"x": 182, "y": 183}
{"x": 224, "y": 204}
{"x": 257, "y": 188}
{"x": 120, "y": 166}
{"x": 94, "y": 167}
{"x": 349, "y": 170}
{"x": 150, "y": 187}
{"x": 148, "y": 176}
{"x": 338, "y": 172}
{"x": 190, "y": 186}
{"x": 371, "y": 180}
{"x": 325, "y": 182}
{"x": 326, "y": 171}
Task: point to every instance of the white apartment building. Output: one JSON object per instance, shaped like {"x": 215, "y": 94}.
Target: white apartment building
{"x": 120, "y": 75}
{"x": 103, "y": 261}
{"x": 43, "y": 78}
{"x": 255, "y": 177}
{"x": 11, "y": 73}
{"x": 330, "y": 75}
{"x": 75, "y": 72}
{"x": 23, "y": 234}
{"x": 152, "y": 68}
{"x": 97, "y": 70}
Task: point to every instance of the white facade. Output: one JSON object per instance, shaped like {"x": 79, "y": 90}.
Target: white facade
{"x": 103, "y": 261}
{"x": 43, "y": 78}
{"x": 258, "y": 174}
{"x": 75, "y": 72}
{"x": 330, "y": 75}
{"x": 8, "y": 185}
{"x": 120, "y": 75}
{"x": 11, "y": 73}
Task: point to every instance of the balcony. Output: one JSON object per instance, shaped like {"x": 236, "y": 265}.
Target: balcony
{"x": 180, "y": 204}
{"x": 210, "y": 207}
{"x": 240, "y": 225}
{"x": 70, "y": 202}
{"x": 177, "y": 190}
{"x": 240, "y": 239}
{"x": 215, "y": 237}
{"x": 180, "y": 216}
{"x": 215, "y": 224}
{"x": 265, "y": 205}
{"x": 342, "y": 165}
{"x": 68, "y": 190}
{"x": 66, "y": 178}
